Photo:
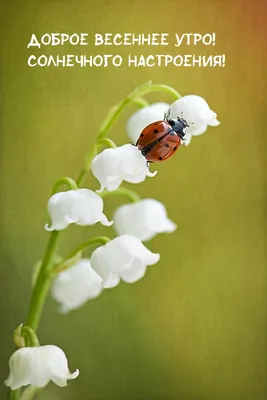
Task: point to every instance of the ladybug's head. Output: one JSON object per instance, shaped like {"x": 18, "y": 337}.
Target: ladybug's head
{"x": 183, "y": 122}
{"x": 178, "y": 126}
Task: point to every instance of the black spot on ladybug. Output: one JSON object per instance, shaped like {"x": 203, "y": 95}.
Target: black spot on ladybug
{"x": 142, "y": 135}
{"x": 166, "y": 145}
{"x": 156, "y": 131}
{"x": 160, "y": 158}
{"x": 175, "y": 148}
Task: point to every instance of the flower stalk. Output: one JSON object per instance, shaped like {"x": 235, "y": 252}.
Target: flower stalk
{"x": 43, "y": 280}
{"x": 14, "y": 394}
{"x": 96, "y": 241}
{"x": 165, "y": 89}
{"x": 29, "y": 336}
{"x": 42, "y": 284}
{"x": 48, "y": 269}
{"x": 122, "y": 191}
{"x": 66, "y": 180}
{"x": 29, "y": 393}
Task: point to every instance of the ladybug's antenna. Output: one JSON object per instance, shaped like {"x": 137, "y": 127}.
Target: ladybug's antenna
{"x": 182, "y": 117}
{"x": 167, "y": 115}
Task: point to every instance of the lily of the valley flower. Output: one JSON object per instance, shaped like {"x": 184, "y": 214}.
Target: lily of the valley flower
{"x": 124, "y": 257}
{"x": 80, "y": 207}
{"x": 75, "y": 286}
{"x": 143, "y": 117}
{"x": 196, "y": 111}
{"x": 124, "y": 163}
{"x": 143, "y": 219}
{"x": 37, "y": 366}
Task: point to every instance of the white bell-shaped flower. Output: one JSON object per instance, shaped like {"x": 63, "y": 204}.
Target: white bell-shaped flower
{"x": 143, "y": 219}
{"x": 124, "y": 163}
{"x": 143, "y": 117}
{"x": 80, "y": 207}
{"x": 196, "y": 111}
{"x": 75, "y": 286}
{"x": 124, "y": 257}
{"x": 37, "y": 366}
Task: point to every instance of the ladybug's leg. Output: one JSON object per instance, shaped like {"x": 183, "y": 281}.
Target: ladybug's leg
{"x": 133, "y": 144}
{"x": 181, "y": 135}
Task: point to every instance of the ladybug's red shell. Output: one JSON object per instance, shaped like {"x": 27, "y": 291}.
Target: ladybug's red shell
{"x": 158, "y": 141}
{"x": 152, "y": 132}
{"x": 164, "y": 149}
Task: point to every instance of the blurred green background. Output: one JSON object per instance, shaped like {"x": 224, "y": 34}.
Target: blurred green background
{"x": 195, "y": 327}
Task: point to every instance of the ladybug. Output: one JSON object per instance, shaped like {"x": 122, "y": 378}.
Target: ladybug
{"x": 160, "y": 140}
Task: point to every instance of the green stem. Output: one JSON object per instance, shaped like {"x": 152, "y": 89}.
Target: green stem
{"x": 42, "y": 284}
{"x": 98, "y": 240}
{"x": 106, "y": 142}
{"x": 82, "y": 176}
{"x": 140, "y": 102}
{"x": 166, "y": 89}
{"x": 43, "y": 280}
{"x": 66, "y": 180}
{"x": 122, "y": 191}
{"x": 114, "y": 114}
{"x": 30, "y": 336}
{"x": 29, "y": 393}
{"x": 27, "y": 340}
{"x": 88, "y": 160}
{"x": 13, "y": 394}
